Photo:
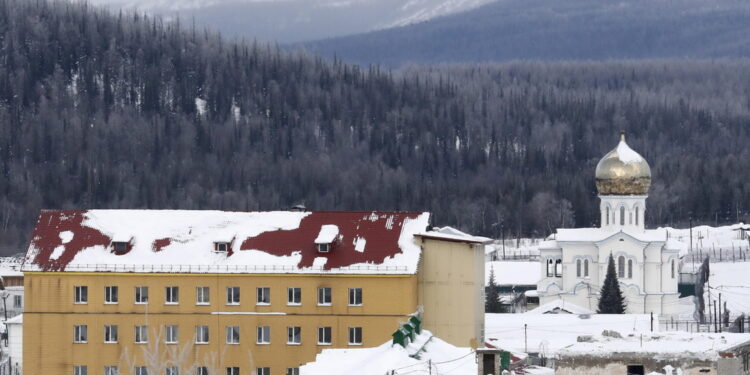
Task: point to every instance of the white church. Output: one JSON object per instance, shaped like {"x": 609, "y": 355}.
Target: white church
{"x": 574, "y": 261}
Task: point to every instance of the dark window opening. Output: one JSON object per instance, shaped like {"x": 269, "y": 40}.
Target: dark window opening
{"x": 636, "y": 370}
{"x": 120, "y": 247}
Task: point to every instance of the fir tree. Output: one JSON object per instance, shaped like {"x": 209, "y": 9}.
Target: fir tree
{"x": 611, "y": 300}
{"x": 492, "y": 302}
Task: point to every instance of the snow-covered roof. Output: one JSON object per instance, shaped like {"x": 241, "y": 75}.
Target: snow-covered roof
{"x": 703, "y": 346}
{"x": 513, "y": 273}
{"x": 384, "y": 358}
{"x": 265, "y": 242}
{"x": 328, "y": 233}
{"x": 601, "y": 234}
{"x": 559, "y": 305}
{"x": 453, "y": 234}
{"x": 10, "y": 267}
{"x": 18, "y": 319}
{"x": 626, "y": 154}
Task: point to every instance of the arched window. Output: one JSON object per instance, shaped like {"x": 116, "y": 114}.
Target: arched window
{"x": 607, "y": 213}
{"x": 558, "y": 268}
{"x": 550, "y": 267}
{"x": 586, "y": 268}
{"x": 622, "y": 215}
{"x": 672, "y": 264}
{"x": 637, "y": 214}
{"x": 630, "y": 268}
{"x": 621, "y": 266}
{"x": 578, "y": 268}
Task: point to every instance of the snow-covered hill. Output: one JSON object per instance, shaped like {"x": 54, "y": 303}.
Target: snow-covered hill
{"x": 299, "y": 20}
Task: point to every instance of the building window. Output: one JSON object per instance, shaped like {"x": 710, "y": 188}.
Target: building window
{"x": 586, "y": 268}
{"x": 221, "y": 247}
{"x": 171, "y": 334}
{"x": 550, "y": 267}
{"x": 630, "y": 268}
{"x": 141, "y": 295}
{"x": 324, "y": 247}
{"x": 324, "y": 296}
{"x": 233, "y": 334}
{"x": 201, "y": 334}
{"x": 233, "y": 295}
{"x": 263, "y": 371}
{"x": 621, "y": 266}
{"x": 111, "y": 370}
{"x": 558, "y": 268}
{"x": 141, "y": 334}
{"x": 637, "y": 215}
{"x": 172, "y": 295}
{"x": 264, "y": 335}
{"x": 672, "y": 267}
{"x": 578, "y": 268}
{"x": 172, "y": 370}
{"x": 110, "y": 334}
{"x": 141, "y": 370}
{"x": 81, "y": 334}
{"x": 355, "y": 296}
{"x": 635, "y": 370}
{"x": 294, "y": 335}
{"x": 236, "y": 371}
{"x": 355, "y": 335}
{"x": 324, "y": 335}
{"x": 80, "y": 370}
{"x": 17, "y": 302}
{"x": 201, "y": 370}
{"x": 110, "y": 294}
{"x": 81, "y": 294}
{"x": 120, "y": 246}
{"x": 202, "y": 295}
{"x": 622, "y": 215}
{"x": 295, "y": 296}
{"x": 607, "y": 215}
{"x": 264, "y": 296}
{"x": 292, "y": 371}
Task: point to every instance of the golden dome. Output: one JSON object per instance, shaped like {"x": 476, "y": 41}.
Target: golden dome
{"x": 623, "y": 172}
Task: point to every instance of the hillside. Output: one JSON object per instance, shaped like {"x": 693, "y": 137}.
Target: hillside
{"x": 558, "y": 30}
{"x": 123, "y": 111}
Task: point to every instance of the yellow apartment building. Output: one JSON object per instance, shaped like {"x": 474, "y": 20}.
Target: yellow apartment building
{"x": 148, "y": 292}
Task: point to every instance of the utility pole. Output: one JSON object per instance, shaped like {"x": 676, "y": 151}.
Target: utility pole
{"x": 720, "y": 317}
{"x": 429, "y": 363}
{"x": 716, "y": 327}
{"x": 652, "y": 321}
{"x": 502, "y": 235}
{"x": 525, "y": 339}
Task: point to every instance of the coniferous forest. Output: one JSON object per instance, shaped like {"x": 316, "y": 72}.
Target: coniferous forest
{"x": 101, "y": 110}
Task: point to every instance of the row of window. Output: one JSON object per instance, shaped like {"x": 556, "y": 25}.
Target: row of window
{"x": 622, "y": 216}
{"x": 624, "y": 268}
{"x": 202, "y": 295}
{"x": 263, "y": 335}
{"x": 175, "y": 370}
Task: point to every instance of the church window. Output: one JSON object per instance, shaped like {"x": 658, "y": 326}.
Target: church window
{"x": 630, "y": 268}
{"x": 578, "y": 268}
{"x": 637, "y": 212}
{"x": 630, "y": 218}
{"x": 672, "y": 266}
{"x": 550, "y": 268}
{"x": 558, "y": 268}
{"x": 586, "y": 268}
{"x": 622, "y": 215}
{"x": 607, "y": 214}
{"x": 621, "y": 266}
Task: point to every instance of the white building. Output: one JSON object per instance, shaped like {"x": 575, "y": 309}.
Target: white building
{"x": 574, "y": 262}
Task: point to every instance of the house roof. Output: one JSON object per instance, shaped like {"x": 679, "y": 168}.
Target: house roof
{"x": 453, "y": 235}
{"x": 261, "y": 242}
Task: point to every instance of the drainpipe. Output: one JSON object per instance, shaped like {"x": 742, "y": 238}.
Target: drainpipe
{"x": 643, "y": 277}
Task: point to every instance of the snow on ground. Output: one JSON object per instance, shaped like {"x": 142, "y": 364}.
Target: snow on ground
{"x": 513, "y": 273}
{"x": 732, "y": 280}
{"x": 446, "y": 359}
{"x": 709, "y": 239}
{"x": 550, "y": 333}
{"x": 559, "y": 305}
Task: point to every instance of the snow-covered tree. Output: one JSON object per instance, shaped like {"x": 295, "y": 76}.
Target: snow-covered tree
{"x": 611, "y": 300}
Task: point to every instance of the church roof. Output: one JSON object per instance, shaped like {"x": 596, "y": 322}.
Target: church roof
{"x": 623, "y": 171}
{"x": 601, "y": 234}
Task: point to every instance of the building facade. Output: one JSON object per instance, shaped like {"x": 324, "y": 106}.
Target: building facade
{"x": 208, "y": 292}
{"x": 574, "y": 261}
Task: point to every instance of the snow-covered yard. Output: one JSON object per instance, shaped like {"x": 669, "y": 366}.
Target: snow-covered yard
{"x": 513, "y": 272}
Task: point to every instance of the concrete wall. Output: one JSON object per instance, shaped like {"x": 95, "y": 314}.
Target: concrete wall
{"x": 617, "y": 365}
{"x": 15, "y": 343}
{"x": 51, "y": 315}
{"x": 451, "y": 290}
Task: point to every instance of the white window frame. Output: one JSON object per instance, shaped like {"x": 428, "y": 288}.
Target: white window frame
{"x": 171, "y": 295}
{"x": 202, "y": 295}
{"x": 120, "y": 247}
{"x": 294, "y": 296}
{"x": 263, "y": 335}
{"x": 110, "y": 334}
{"x": 172, "y": 370}
{"x": 171, "y": 334}
{"x": 111, "y": 295}
{"x": 355, "y": 335}
{"x": 233, "y": 370}
{"x": 17, "y": 301}
{"x": 201, "y": 370}
{"x": 292, "y": 371}
{"x": 80, "y": 370}
{"x": 325, "y": 299}
{"x": 141, "y": 335}
{"x": 233, "y": 295}
{"x": 81, "y": 295}
{"x": 263, "y": 296}
{"x": 221, "y": 247}
{"x": 233, "y": 335}
{"x": 294, "y": 335}
{"x": 140, "y": 370}
{"x": 111, "y": 370}
{"x": 261, "y": 371}
{"x": 141, "y": 295}
{"x": 202, "y": 335}
{"x": 80, "y": 334}
{"x": 355, "y": 296}
{"x": 325, "y": 336}
{"x": 558, "y": 267}
{"x": 324, "y": 247}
